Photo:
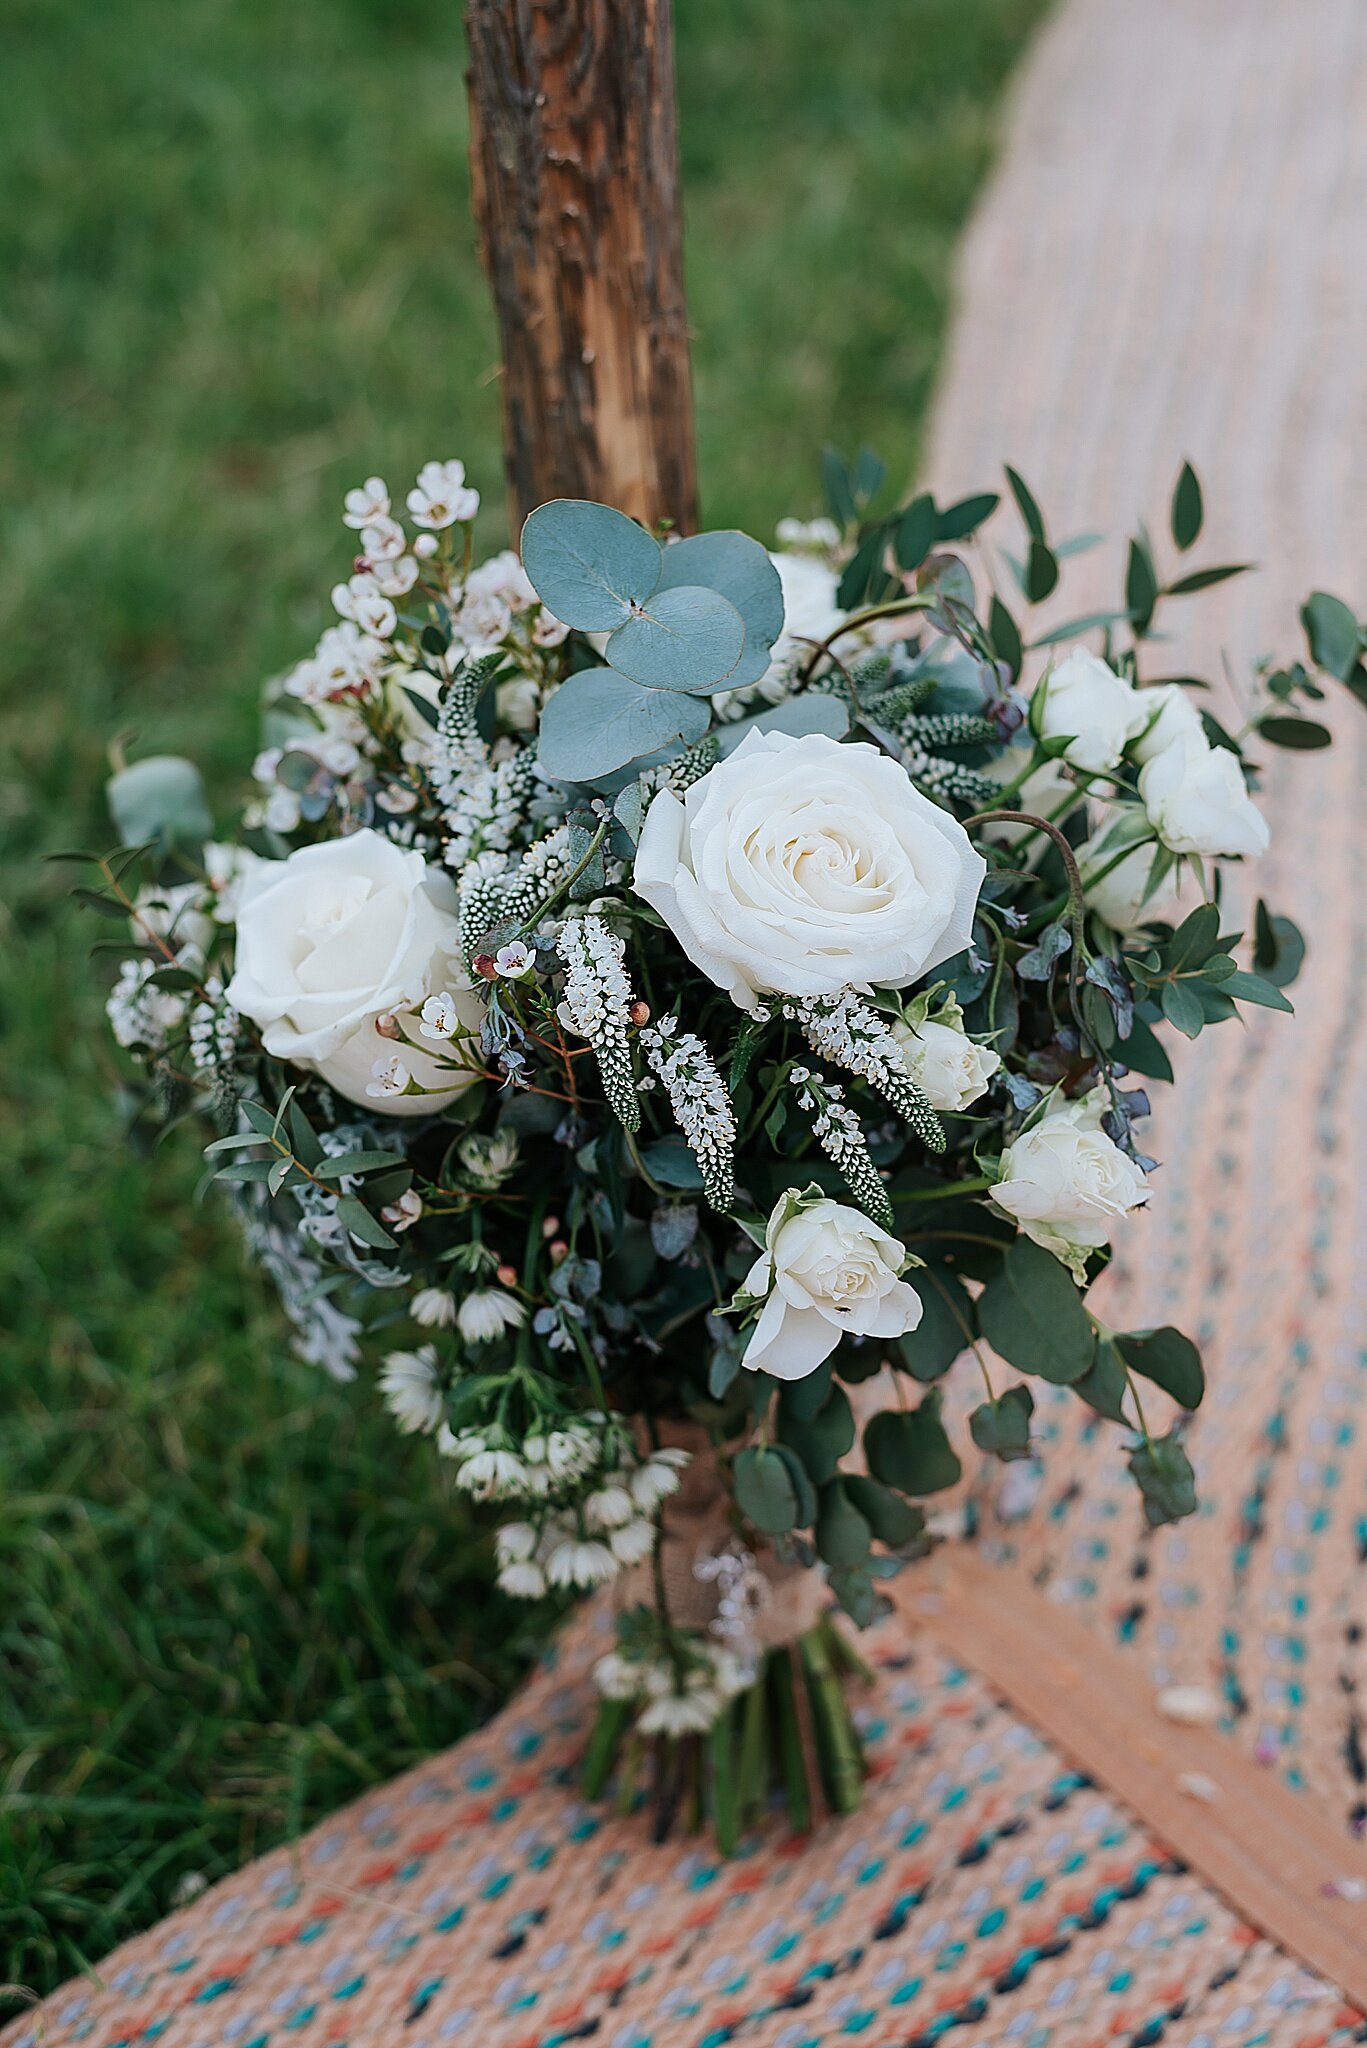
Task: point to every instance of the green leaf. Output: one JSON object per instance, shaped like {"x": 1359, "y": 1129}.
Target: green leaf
{"x": 354, "y": 1215}
{"x": 893, "y": 1521}
{"x": 1163, "y": 1472}
{"x": 738, "y": 569}
{"x": 772, "y": 1490}
{"x": 946, "y": 1327}
{"x": 1103, "y": 1387}
{"x": 1041, "y": 572}
{"x": 588, "y": 563}
{"x": 911, "y": 1451}
{"x": 722, "y": 1371}
{"x": 686, "y": 639}
{"x": 598, "y": 721}
{"x": 916, "y": 532}
{"x": 869, "y": 472}
{"x": 1333, "y": 633}
{"x": 966, "y": 516}
{"x": 1002, "y": 1426}
{"x": 107, "y": 906}
{"x": 1206, "y": 579}
{"x": 821, "y": 1441}
{"x": 1032, "y": 1315}
{"x": 347, "y": 1163}
{"x": 160, "y": 799}
{"x": 1194, "y": 940}
{"x": 628, "y": 808}
{"x": 1183, "y": 1008}
{"x": 1188, "y": 512}
{"x": 1005, "y": 637}
{"x": 805, "y": 1398}
{"x": 1141, "y": 587}
{"x": 1029, "y": 510}
{"x": 843, "y": 1537}
{"x": 1304, "y": 734}
{"x": 1167, "y": 1358}
{"x": 279, "y": 1174}
{"x": 837, "y": 485}
{"x": 1251, "y": 988}
{"x": 815, "y": 711}
{"x": 1144, "y": 1053}
{"x": 669, "y": 1161}
{"x": 1279, "y": 948}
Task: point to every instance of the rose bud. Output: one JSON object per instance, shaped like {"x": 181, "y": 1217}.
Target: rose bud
{"x": 559, "y": 1250}
{"x": 507, "y": 1275}
{"x": 639, "y": 1013}
{"x": 550, "y": 1227}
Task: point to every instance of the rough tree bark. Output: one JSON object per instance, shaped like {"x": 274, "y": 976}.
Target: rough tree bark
{"x": 574, "y": 158}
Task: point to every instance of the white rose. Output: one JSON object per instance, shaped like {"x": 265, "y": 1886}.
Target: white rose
{"x": 1087, "y": 703}
{"x": 1066, "y": 1183}
{"x": 1170, "y": 716}
{"x": 336, "y": 936}
{"x": 1198, "y": 802}
{"x": 1120, "y": 895}
{"x": 951, "y": 1068}
{"x": 811, "y": 611}
{"x": 827, "y": 1272}
{"x": 804, "y": 866}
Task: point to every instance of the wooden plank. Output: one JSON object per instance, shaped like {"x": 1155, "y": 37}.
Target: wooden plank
{"x": 1269, "y": 1851}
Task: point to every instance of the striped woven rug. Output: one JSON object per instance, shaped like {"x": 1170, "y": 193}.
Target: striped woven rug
{"x": 1172, "y": 262}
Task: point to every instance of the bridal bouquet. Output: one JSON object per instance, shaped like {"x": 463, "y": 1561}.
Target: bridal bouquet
{"x": 659, "y": 986}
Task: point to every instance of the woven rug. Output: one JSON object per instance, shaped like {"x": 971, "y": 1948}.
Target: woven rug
{"x": 1170, "y": 263}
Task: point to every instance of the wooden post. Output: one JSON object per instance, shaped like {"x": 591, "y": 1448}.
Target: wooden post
{"x": 574, "y": 159}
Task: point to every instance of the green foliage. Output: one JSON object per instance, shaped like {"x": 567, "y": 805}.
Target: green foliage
{"x": 160, "y": 800}
{"x": 1165, "y": 1479}
{"x": 684, "y": 622}
{"x": 1002, "y": 1426}
{"x": 909, "y": 1450}
{"x": 1167, "y": 1358}
{"x": 1031, "y": 1314}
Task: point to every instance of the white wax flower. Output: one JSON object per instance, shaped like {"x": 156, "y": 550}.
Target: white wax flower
{"x": 1198, "y": 801}
{"x": 1066, "y": 1183}
{"x": 827, "y": 1272}
{"x": 952, "y": 1069}
{"x": 805, "y": 866}
{"x": 335, "y": 937}
{"x": 1087, "y": 703}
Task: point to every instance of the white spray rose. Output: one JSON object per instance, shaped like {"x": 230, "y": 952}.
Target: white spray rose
{"x": 1087, "y": 703}
{"x": 804, "y": 866}
{"x": 951, "y": 1068}
{"x": 1066, "y": 1183}
{"x": 1120, "y": 895}
{"x": 336, "y": 936}
{"x": 1198, "y": 802}
{"x": 1171, "y": 716}
{"x": 827, "y": 1272}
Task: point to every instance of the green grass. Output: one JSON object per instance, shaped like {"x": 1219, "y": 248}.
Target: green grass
{"x": 238, "y": 276}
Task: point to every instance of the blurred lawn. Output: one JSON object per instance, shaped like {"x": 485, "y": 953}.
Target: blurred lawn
{"x": 238, "y": 275}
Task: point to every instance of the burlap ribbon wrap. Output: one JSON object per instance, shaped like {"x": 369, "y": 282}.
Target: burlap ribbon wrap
{"x": 699, "y": 1525}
